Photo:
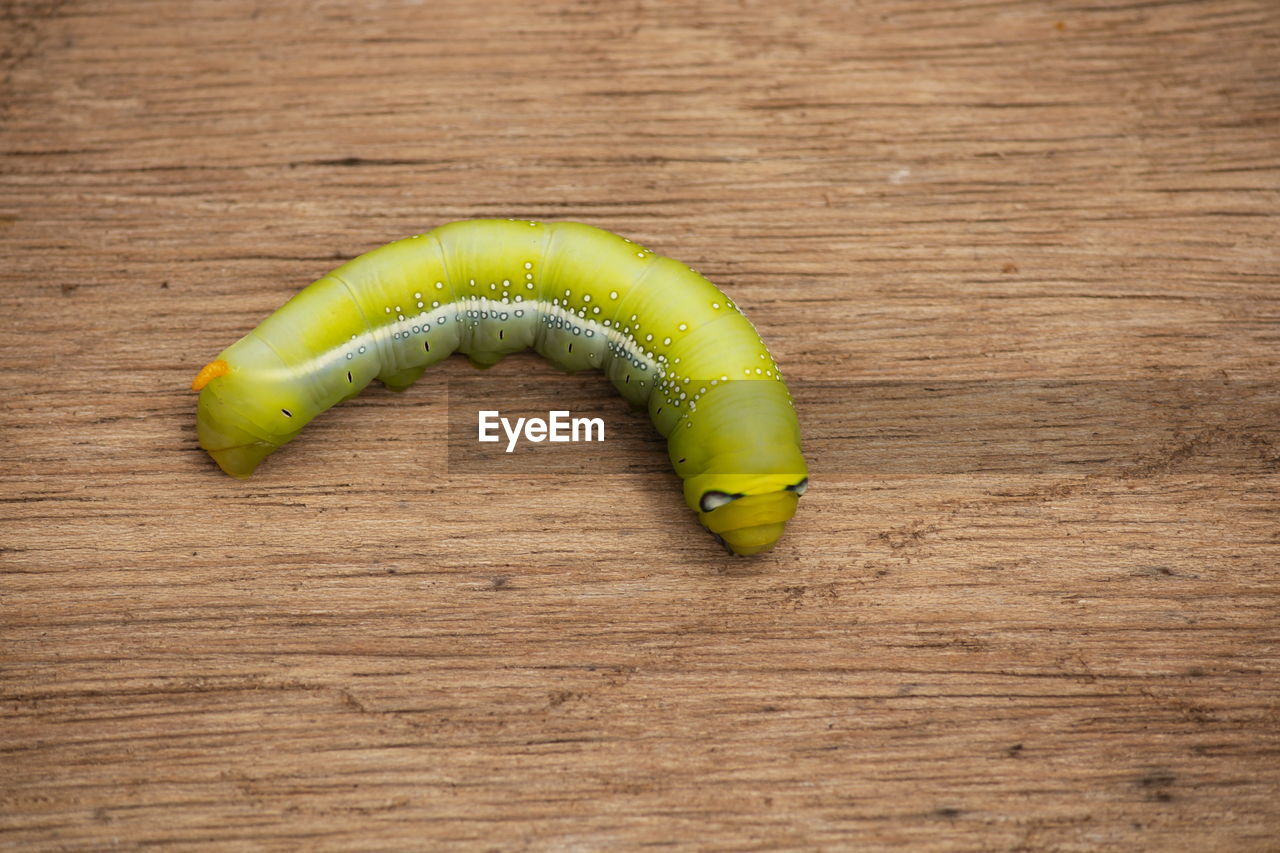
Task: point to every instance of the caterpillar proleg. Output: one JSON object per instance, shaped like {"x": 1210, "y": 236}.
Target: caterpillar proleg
{"x": 582, "y": 297}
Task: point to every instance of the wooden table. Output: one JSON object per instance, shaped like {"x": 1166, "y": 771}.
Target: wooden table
{"x": 1018, "y": 261}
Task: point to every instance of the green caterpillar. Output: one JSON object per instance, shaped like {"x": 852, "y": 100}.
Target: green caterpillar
{"x": 582, "y": 297}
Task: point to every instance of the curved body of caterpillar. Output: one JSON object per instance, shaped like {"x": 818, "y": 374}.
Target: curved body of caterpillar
{"x": 582, "y": 297}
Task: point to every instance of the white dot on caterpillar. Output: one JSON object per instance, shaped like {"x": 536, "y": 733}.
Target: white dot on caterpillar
{"x": 388, "y": 309}
{"x": 529, "y": 286}
{"x": 528, "y": 265}
{"x": 421, "y": 304}
{"x": 586, "y": 297}
{"x": 439, "y": 285}
{"x": 613, "y": 294}
{"x": 417, "y": 296}
{"x": 715, "y": 304}
{"x": 683, "y": 327}
{"x": 666, "y": 341}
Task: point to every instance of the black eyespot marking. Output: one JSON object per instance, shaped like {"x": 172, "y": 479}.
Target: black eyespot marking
{"x": 570, "y": 347}
{"x": 800, "y": 487}
{"x": 714, "y": 500}
{"x": 349, "y": 379}
{"x": 286, "y": 413}
{"x": 501, "y": 332}
{"x": 427, "y": 344}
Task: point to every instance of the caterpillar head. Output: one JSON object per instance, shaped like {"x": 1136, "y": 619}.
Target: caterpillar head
{"x": 751, "y": 518}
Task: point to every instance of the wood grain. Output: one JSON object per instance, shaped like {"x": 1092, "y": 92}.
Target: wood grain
{"x": 1007, "y": 617}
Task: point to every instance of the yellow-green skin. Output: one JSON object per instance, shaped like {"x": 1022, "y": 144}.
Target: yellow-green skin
{"x": 584, "y": 298}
